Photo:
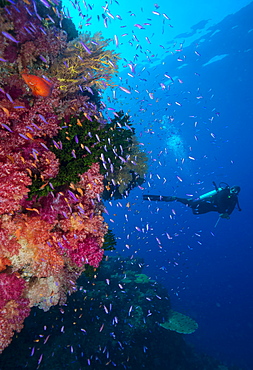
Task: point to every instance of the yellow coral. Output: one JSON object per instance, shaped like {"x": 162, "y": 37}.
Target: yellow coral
{"x": 136, "y": 161}
{"x": 84, "y": 63}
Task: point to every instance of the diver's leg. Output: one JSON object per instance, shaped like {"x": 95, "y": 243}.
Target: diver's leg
{"x": 187, "y": 202}
{"x": 161, "y": 198}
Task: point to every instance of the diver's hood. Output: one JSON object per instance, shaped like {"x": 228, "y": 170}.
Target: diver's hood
{"x": 235, "y": 189}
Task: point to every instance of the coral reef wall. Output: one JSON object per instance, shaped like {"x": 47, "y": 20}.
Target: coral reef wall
{"x": 58, "y": 157}
{"x": 113, "y": 320}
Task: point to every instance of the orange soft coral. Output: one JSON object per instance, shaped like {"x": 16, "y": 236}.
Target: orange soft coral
{"x": 8, "y": 245}
{"x": 4, "y": 262}
{"x": 37, "y": 255}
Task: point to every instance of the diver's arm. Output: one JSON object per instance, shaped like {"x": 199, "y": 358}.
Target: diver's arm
{"x": 238, "y": 205}
{"x": 231, "y": 206}
{"x": 225, "y": 205}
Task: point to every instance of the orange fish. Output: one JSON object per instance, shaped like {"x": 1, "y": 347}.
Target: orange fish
{"x": 39, "y": 85}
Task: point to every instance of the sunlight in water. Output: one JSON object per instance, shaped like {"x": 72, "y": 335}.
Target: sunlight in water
{"x": 173, "y": 140}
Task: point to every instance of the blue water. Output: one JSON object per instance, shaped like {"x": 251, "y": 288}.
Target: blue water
{"x": 196, "y": 129}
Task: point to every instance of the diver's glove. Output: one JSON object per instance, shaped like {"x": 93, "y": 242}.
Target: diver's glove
{"x": 225, "y": 215}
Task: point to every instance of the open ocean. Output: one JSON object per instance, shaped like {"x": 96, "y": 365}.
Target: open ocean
{"x": 206, "y": 269}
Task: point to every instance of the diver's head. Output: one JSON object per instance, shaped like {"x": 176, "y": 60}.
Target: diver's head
{"x": 235, "y": 189}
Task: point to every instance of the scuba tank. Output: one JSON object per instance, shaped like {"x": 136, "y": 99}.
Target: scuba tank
{"x": 210, "y": 194}
{"x": 214, "y": 192}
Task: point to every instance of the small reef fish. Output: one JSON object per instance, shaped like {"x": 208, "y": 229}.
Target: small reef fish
{"x": 10, "y": 37}
{"x": 39, "y": 85}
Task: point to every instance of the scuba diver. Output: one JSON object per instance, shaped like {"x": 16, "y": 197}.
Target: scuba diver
{"x": 222, "y": 200}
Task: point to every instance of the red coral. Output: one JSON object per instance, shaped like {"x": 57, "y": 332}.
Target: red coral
{"x": 48, "y": 44}
{"x": 13, "y": 187}
{"x": 11, "y": 287}
{"x": 92, "y": 181}
{"x": 12, "y": 316}
{"x": 48, "y": 165}
{"x": 52, "y": 207}
{"x": 87, "y": 252}
{"x": 8, "y": 246}
{"x": 48, "y": 262}
{"x": 51, "y": 239}
{"x": 35, "y": 40}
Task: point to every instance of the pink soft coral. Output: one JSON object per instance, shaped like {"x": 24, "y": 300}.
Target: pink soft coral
{"x": 13, "y": 187}
{"x": 14, "y": 308}
{"x": 92, "y": 181}
{"x": 12, "y": 316}
{"x": 87, "y": 252}
{"x": 11, "y": 287}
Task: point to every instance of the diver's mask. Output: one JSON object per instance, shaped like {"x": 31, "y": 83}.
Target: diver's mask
{"x": 235, "y": 190}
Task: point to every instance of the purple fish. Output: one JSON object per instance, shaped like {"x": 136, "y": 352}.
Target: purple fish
{"x": 89, "y": 89}
{"x": 125, "y": 90}
{"x": 85, "y": 47}
{"x": 9, "y": 97}
{"x": 23, "y": 136}
{"x": 7, "y": 127}
{"x": 42, "y": 118}
{"x": 43, "y": 59}
{"x": 42, "y": 144}
{"x": 10, "y": 37}
{"x": 88, "y": 150}
{"x": 55, "y": 144}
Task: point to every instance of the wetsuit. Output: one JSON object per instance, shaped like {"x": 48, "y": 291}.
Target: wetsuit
{"x": 222, "y": 202}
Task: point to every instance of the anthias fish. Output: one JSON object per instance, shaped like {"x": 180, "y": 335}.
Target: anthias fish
{"x": 39, "y": 85}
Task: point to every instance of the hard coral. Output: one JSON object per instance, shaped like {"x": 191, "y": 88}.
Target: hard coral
{"x": 180, "y": 323}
